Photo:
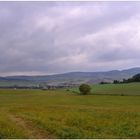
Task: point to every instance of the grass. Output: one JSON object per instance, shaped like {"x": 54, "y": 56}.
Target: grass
{"x": 62, "y": 114}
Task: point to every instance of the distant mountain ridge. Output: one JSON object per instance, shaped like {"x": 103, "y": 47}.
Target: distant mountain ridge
{"x": 75, "y": 77}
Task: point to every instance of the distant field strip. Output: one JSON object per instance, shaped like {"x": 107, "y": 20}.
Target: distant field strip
{"x": 115, "y": 89}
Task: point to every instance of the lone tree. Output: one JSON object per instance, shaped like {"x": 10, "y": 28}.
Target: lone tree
{"x": 84, "y": 89}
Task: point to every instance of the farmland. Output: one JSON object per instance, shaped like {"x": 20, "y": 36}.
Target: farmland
{"x": 64, "y": 114}
{"x": 115, "y": 89}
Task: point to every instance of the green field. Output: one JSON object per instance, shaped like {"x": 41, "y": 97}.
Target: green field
{"x": 63, "y": 114}
{"x": 114, "y": 89}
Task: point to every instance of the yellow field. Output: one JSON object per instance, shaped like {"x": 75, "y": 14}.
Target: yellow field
{"x": 63, "y": 114}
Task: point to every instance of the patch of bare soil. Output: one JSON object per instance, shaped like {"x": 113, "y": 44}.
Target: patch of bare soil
{"x": 32, "y": 132}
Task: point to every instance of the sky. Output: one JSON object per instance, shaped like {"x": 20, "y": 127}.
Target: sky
{"x": 38, "y": 38}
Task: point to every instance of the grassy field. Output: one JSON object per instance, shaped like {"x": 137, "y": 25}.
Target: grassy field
{"x": 115, "y": 89}
{"x": 63, "y": 114}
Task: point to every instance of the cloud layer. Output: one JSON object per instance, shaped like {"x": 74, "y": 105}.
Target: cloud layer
{"x": 57, "y": 37}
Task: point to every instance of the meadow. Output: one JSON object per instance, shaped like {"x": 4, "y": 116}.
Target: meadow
{"x": 111, "y": 111}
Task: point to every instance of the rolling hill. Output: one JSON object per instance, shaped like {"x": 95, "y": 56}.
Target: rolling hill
{"x": 71, "y": 77}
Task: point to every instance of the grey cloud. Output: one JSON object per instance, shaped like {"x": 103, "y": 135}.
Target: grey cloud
{"x": 55, "y": 37}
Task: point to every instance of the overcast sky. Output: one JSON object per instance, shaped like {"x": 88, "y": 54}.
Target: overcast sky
{"x": 57, "y": 37}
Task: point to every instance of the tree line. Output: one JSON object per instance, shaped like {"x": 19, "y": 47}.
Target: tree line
{"x": 135, "y": 78}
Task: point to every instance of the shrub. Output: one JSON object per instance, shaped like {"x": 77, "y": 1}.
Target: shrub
{"x": 84, "y": 89}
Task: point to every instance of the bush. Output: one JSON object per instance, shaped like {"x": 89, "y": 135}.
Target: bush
{"x": 84, "y": 89}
